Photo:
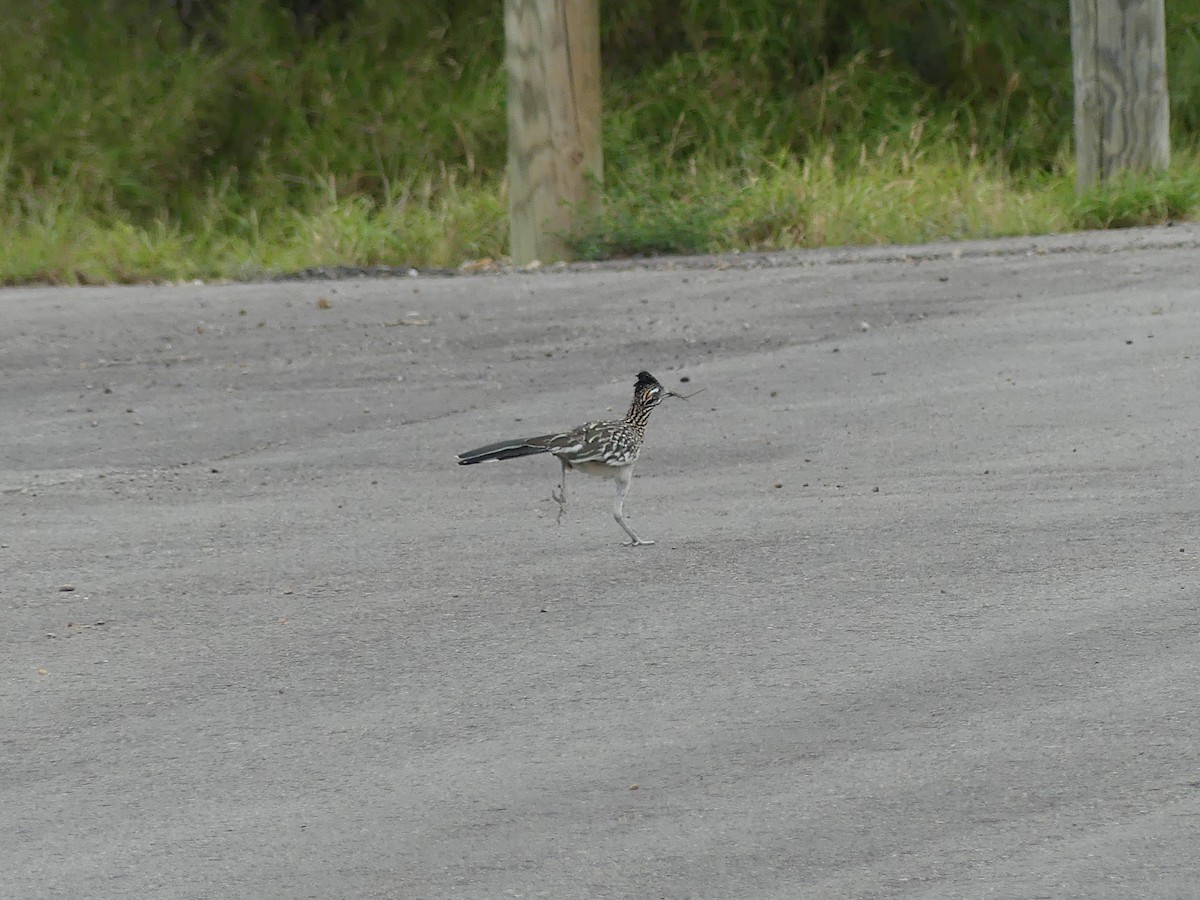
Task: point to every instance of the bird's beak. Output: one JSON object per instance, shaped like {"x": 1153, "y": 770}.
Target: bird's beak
{"x": 685, "y": 396}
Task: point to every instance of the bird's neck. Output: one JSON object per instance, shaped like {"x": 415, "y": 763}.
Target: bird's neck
{"x": 638, "y": 415}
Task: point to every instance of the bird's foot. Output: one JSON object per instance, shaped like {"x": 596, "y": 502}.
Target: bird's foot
{"x": 559, "y": 495}
{"x": 637, "y": 542}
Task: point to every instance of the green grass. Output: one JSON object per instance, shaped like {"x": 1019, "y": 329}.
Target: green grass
{"x": 791, "y": 204}
{"x": 133, "y": 148}
{"x": 1131, "y": 200}
{"x": 60, "y": 243}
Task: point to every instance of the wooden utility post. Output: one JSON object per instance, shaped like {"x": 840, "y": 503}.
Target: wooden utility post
{"x": 552, "y": 52}
{"x": 1122, "y": 116}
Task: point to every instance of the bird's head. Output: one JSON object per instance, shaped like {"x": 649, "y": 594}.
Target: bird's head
{"x": 648, "y": 392}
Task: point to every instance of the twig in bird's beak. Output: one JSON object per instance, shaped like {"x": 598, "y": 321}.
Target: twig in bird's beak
{"x": 686, "y": 396}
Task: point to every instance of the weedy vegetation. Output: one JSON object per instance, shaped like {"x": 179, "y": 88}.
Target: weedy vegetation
{"x": 144, "y": 139}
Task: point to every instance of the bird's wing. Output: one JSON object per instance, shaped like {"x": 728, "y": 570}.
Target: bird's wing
{"x": 601, "y": 442}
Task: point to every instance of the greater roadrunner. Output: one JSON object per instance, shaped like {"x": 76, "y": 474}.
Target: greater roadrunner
{"x": 607, "y": 449}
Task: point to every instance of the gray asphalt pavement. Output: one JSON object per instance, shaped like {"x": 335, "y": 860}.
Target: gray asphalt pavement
{"x": 921, "y": 620}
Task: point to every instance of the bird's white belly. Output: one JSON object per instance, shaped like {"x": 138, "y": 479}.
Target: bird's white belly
{"x": 603, "y": 470}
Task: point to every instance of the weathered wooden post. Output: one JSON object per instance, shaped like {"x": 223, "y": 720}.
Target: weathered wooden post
{"x": 552, "y": 52}
{"x": 1122, "y": 116}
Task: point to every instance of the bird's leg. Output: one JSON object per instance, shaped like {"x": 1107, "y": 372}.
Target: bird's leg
{"x": 560, "y": 492}
{"x": 618, "y": 507}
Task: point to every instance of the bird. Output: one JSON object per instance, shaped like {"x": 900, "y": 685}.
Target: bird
{"x": 607, "y": 449}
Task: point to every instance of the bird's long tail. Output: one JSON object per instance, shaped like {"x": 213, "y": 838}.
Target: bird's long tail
{"x": 507, "y": 450}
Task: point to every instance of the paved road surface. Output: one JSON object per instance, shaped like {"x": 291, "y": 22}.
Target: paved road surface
{"x": 922, "y": 619}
